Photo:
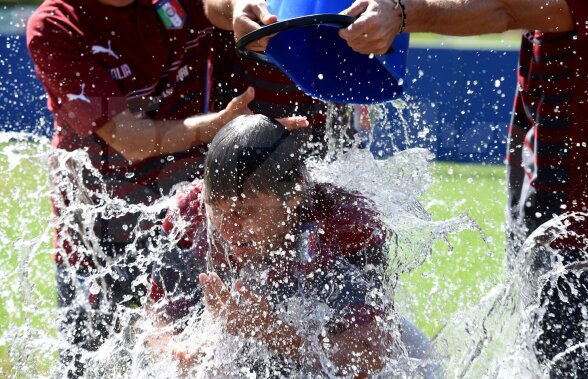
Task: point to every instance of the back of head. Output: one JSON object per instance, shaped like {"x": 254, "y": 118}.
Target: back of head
{"x": 253, "y": 154}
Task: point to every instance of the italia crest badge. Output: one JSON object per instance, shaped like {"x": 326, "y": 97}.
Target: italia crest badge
{"x": 171, "y": 13}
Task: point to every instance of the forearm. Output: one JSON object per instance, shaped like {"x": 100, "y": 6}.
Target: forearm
{"x": 220, "y": 13}
{"x": 138, "y": 138}
{"x": 473, "y": 17}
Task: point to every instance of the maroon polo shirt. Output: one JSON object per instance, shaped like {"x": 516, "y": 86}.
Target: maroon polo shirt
{"x": 96, "y": 60}
{"x": 548, "y": 140}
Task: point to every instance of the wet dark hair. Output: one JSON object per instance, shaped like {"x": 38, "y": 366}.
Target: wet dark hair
{"x": 253, "y": 154}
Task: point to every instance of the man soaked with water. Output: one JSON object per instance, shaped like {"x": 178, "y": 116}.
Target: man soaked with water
{"x": 307, "y": 261}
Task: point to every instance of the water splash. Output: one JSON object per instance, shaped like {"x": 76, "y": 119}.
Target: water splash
{"x": 494, "y": 339}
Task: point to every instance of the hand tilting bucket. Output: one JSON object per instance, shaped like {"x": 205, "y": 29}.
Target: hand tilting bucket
{"x": 306, "y": 46}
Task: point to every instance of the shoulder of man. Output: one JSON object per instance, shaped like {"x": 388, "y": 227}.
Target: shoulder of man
{"x": 185, "y": 219}
{"x": 51, "y": 18}
{"x": 349, "y": 222}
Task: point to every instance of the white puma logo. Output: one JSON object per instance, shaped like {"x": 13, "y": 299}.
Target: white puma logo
{"x": 80, "y": 96}
{"x": 97, "y": 49}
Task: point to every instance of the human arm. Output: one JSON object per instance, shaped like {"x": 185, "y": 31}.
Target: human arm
{"x": 379, "y": 21}
{"x": 252, "y": 317}
{"x": 141, "y": 138}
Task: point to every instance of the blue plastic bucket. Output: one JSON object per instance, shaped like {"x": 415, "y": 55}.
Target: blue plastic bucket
{"x": 308, "y": 49}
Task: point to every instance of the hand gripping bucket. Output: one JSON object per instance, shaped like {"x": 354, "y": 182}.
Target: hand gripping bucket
{"x": 306, "y": 47}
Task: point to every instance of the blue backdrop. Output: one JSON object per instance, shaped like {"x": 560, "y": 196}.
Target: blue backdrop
{"x": 458, "y": 102}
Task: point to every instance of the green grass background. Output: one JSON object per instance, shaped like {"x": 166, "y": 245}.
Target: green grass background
{"x": 450, "y": 280}
{"x": 26, "y": 270}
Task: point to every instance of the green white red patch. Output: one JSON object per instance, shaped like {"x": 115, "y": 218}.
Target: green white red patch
{"x": 171, "y": 13}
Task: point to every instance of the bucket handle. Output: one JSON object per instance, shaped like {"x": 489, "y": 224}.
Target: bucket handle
{"x": 265, "y": 31}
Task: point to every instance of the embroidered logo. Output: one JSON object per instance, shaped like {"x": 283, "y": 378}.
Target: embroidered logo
{"x": 97, "y": 49}
{"x": 121, "y": 72}
{"x": 182, "y": 73}
{"x": 171, "y": 13}
{"x": 80, "y": 96}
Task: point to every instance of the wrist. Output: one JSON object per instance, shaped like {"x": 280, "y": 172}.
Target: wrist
{"x": 400, "y": 7}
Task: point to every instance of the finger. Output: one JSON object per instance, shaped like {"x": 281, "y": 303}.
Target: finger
{"x": 368, "y": 43}
{"x": 210, "y": 300}
{"x": 221, "y": 290}
{"x": 247, "y": 22}
{"x": 362, "y": 28}
{"x": 377, "y": 47}
{"x": 294, "y": 122}
{"x": 245, "y": 98}
{"x": 243, "y": 24}
{"x": 355, "y": 10}
{"x": 264, "y": 15}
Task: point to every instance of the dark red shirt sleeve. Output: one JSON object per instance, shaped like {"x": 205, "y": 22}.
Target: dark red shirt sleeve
{"x": 186, "y": 220}
{"x": 81, "y": 94}
{"x": 579, "y": 10}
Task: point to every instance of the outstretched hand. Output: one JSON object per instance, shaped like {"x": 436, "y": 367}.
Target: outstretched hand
{"x": 249, "y": 316}
{"x": 377, "y": 24}
{"x": 240, "y": 106}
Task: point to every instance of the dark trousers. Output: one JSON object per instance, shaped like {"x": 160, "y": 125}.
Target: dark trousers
{"x": 563, "y": 322}
{"x": 88, "y": 302}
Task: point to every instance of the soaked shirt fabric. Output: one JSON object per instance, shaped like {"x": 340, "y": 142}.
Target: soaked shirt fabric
{"x": 338, "y": 257}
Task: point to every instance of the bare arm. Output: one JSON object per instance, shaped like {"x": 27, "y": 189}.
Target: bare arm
{"x": 360, "y": 349}
{"x": 473, "y": 17}
{"x": 379, "y": 20}
{"x": 139, "y": 138}
{"x": 220, "y": 13}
